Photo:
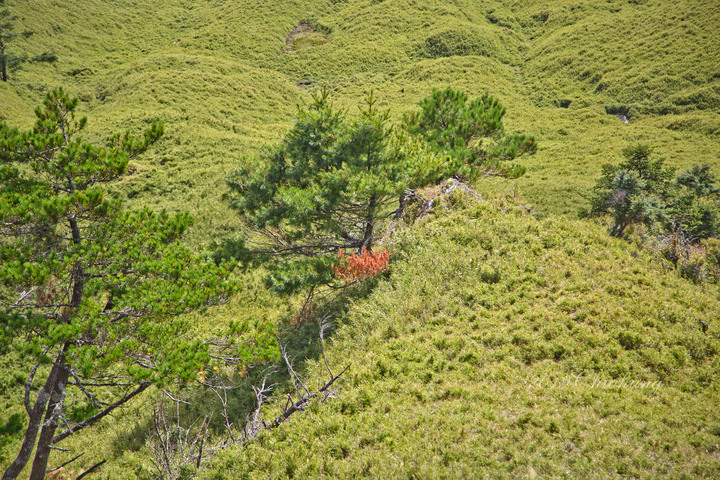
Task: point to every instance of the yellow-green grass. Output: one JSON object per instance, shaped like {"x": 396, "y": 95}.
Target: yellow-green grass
{"x": 217, "y": 74}
{"x": 501, "y": 344}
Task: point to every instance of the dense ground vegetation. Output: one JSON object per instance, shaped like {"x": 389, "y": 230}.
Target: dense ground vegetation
{"x": 495, "y": 333}
{"x": 503, "y": 345}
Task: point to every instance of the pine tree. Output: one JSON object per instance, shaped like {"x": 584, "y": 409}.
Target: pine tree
{"x": 472, "y": 132}
{"x": 694, "y": 211}
{"x": 635, "y": 191}
{"x": 90, "y": 290}
{"x": 329, "y": 185}
{"x": 641, "y": 190}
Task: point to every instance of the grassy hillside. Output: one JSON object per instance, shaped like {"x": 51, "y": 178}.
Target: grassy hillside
{"x": 496, "y": 333}
{"x": 221, "y": 75}
{"x": 502, "y": 345}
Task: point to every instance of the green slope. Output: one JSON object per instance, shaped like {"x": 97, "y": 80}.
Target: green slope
{"x": 566, "y": 301}
{"x": 220, "y": 74}
{"x": 502, "y": 344}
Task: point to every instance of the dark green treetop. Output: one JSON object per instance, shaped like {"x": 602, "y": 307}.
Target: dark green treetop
{"x": 633, "y": 191}
{"x": 694, "y": 210}
{"x": 642, "y": 190}
{"x": 472, "y": 132}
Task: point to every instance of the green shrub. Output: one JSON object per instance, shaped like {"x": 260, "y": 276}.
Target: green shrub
{"x": 455, "y": 42}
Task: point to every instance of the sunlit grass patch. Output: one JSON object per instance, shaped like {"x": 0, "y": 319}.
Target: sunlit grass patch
{"x": 304, "y": 35}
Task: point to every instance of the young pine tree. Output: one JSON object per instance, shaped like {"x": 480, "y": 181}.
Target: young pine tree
{"x": 634, "y": 192}
{"x": 641, "y": 190}
{"x": 472, "y": 133}
{"x": 88, "y": 290}
{"x": 329, "y": 185}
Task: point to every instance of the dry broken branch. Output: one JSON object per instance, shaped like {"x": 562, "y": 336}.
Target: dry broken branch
{"x": 304, "y": 401}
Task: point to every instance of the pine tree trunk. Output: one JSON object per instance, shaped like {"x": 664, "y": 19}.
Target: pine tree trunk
{"x": 35, "y": 420}
{"x": 3, "y": 62}
{"x": 369, "y": 225}
{"x": 52, "y": 415}
{"x": 57, "y": 399}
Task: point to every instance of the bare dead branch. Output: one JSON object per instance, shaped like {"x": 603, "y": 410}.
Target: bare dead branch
{"x": 90, "y": 470}
{"x": 226, "y": 417}
{"x": 78, "y": 383}
{"x": 89, "y": 421}
{"x": 302, "y": 403}
{"x": 324, "y": 325}
{"x": 261, "y": 394}
{"x": 292, "y": 406}
{"x": 296, "y": 378}
{"x": 59, "y": 449}
{"x": 24, "y": 295}
{"x": 66, "y": 463}
{"x": 332, "y": 380}
{"x": 176, "y": 400}
{"x": 110, "y": 384}
{"x": 175, "y": 445}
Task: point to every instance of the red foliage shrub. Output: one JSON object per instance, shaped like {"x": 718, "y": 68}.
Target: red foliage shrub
{"x": 353, "y": 267}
